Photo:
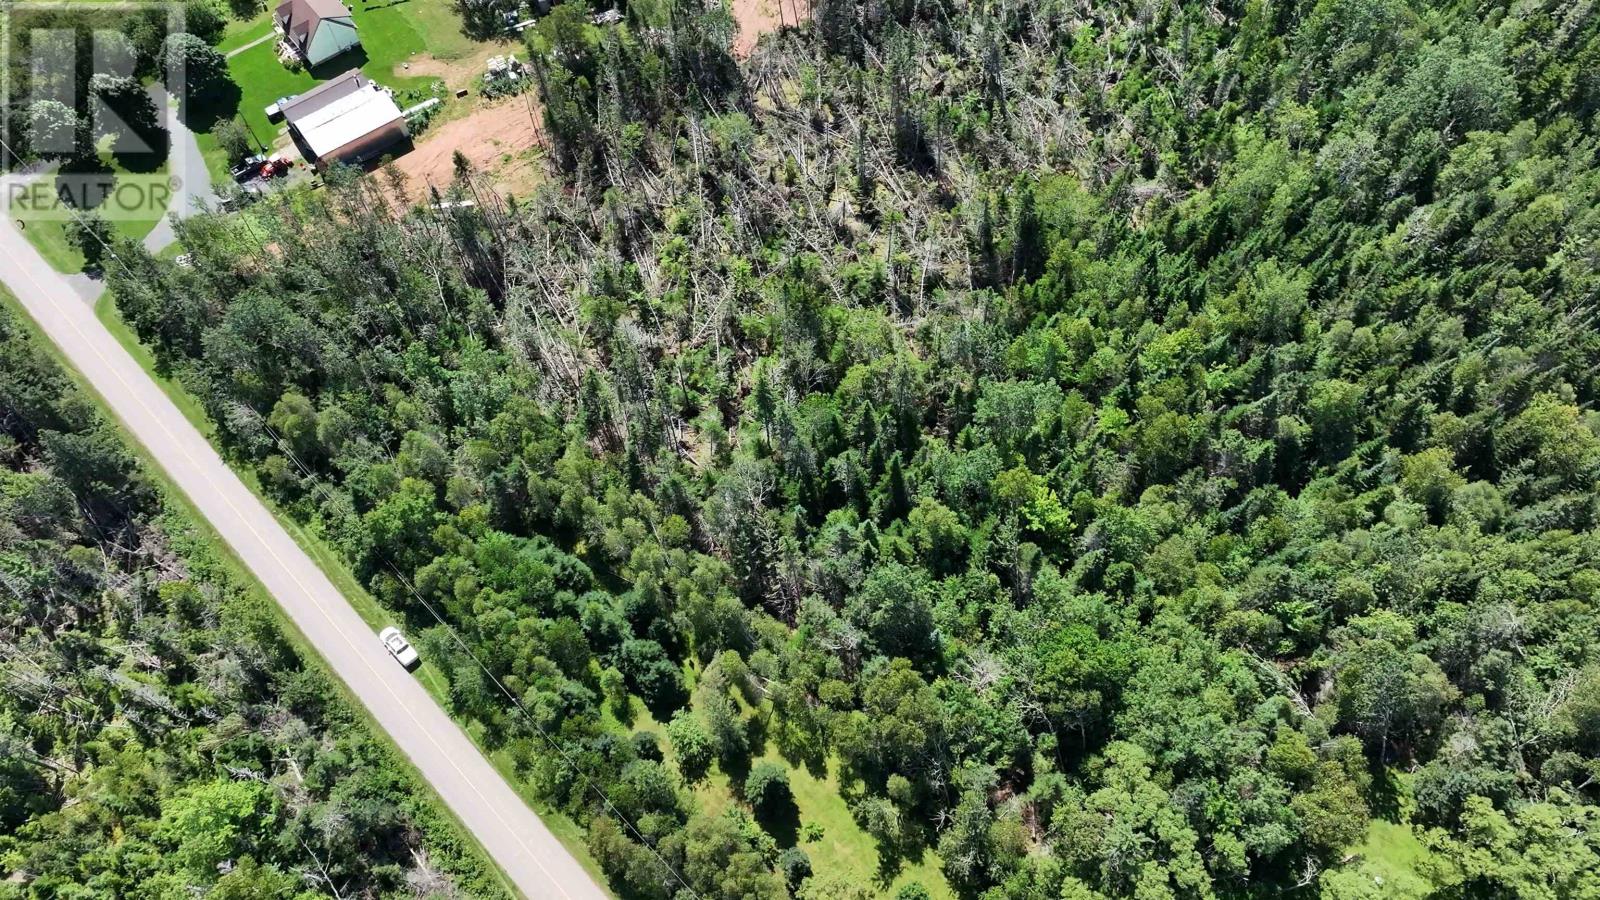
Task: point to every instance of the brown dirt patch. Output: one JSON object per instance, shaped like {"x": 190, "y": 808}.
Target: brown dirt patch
{"x": 757, "y": 17}
{"x": 499, "y": 140}
{"x": 455, "y": 73}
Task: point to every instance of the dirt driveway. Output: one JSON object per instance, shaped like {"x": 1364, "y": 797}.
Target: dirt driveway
{"x": 499, "y": 140}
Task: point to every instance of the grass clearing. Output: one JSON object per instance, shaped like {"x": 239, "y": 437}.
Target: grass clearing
{"x": 49, "y": 237}
{"x": 217, "y": 162}
{"x": 392, "y": 33}
{"x": 1388, "y": 861}
{"x": 440, "y": 27}
{"x": 844, "y": 851}
{"x": 1389, "y": 858}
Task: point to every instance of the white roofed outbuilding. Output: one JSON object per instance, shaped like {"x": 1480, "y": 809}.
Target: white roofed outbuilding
{"x": 347, "y": 119}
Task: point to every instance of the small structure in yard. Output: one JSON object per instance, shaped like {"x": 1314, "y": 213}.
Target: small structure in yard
{"x": 346, "y": 119}
{"x": 503, "y": 67}
{"x": 422, "y": 107}
{"x": 274, "y": 110}
{"x": 504, "y": 76}
{"x": 316, "y": 30}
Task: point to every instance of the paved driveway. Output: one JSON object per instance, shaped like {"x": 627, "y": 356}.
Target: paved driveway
{"x": 191, "y": 187}
{"x": 187, "y": 174}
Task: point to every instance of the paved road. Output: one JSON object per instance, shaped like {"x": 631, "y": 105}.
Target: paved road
{"x": 507, "y": 828}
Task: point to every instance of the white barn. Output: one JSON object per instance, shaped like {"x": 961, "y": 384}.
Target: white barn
{"x": 346, "y": 119}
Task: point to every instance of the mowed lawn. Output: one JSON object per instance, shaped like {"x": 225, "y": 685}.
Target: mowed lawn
{"x": 392, "y": 32}
{"x": 262, "y": 79}
{"x": 239, "y": 32}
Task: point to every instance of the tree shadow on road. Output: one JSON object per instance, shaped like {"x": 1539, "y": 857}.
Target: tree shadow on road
{"x": 203, "y": 108}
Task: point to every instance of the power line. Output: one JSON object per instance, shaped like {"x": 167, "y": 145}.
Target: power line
{"x": 517, "y": 702}
{"x": 571, "y": 763}
{"x": 78, "y": 217}
{"x": 554, "y": 745}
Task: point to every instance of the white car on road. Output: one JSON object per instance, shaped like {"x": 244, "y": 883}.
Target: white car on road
{"x": 398, "y": 647}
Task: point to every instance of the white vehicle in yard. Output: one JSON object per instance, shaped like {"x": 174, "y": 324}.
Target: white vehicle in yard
{"x": 398, "y": 647}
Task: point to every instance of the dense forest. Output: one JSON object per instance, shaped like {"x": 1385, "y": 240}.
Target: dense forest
{"x": 1134, "y": 446}
{"x": 159, "y": 738}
